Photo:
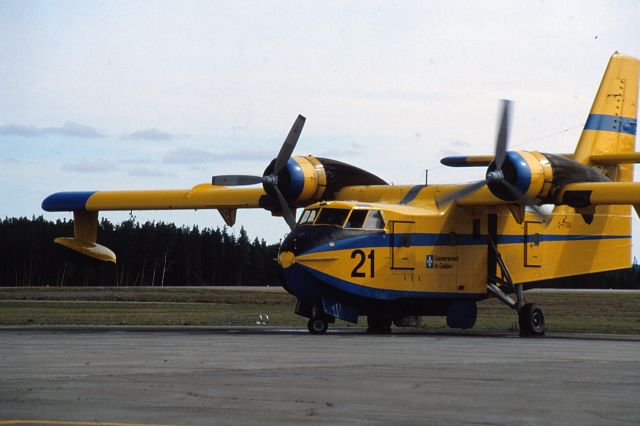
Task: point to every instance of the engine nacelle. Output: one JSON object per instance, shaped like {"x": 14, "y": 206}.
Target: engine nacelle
{"x": 539, "y": 175}
{"x": 308, "y": 179}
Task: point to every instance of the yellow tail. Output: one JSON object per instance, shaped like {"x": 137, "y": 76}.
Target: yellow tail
{"x": 611, "y": 125}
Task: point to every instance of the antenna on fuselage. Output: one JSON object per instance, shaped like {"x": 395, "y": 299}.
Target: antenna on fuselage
{"x": 426, "y": 177}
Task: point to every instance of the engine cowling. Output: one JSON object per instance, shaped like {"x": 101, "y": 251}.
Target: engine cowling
{"x": 539, "y": 175}
{"x": 308, "y": 179}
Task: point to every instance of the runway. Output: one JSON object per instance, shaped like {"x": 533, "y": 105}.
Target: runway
{"x": 198, "y": 376}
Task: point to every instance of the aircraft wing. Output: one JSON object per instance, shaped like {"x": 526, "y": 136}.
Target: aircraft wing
{"x": 600, "y": 193}
{"x": 86, "y": 205}
{"x": 581, "y": 194}
{"x": 204, "y": 196}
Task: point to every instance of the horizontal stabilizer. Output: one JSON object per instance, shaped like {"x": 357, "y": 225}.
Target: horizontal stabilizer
{"x": 477, "y": 160}
{"x": 467, "y": 161}
{"x": 485, "y": 160}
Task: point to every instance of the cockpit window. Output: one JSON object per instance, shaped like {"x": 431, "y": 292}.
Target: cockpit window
{"x": 356, "y": 220}
{"x": 374, "y": 220}
{"x": 308, "y": 216}
{"x": 329, "y": 216}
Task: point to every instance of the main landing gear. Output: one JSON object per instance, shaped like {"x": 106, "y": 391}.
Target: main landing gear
{"x": 530, "y": 315}
{"x": 318, "y": 325}
{"x": 531, "y": 320}
{"x": 378, "y": 324}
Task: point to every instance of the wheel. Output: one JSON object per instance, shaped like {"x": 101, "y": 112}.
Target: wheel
{"x": 531, "y": 320}
{"x": 318, "y": 325}
{"x": 379, "y": 324}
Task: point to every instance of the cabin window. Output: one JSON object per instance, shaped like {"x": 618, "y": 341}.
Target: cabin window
{"x": 374, "y": 220}
{"x": 308, "y": 216}
{"x": 329, "y": 216}
{"x": 356, "y": 220}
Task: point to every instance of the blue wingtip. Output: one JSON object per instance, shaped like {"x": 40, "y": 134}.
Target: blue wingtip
{"x": 66, "y": 201}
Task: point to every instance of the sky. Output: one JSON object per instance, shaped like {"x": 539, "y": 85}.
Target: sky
{"x": 163, "y": 95}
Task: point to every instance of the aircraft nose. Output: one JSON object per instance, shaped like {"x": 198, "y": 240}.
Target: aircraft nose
{"x": 286, "y": 259}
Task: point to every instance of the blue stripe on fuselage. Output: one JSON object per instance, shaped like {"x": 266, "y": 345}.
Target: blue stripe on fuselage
{"x": 611, "y": 123}
{"x": 432, "y": 240}
{"x": 412, "y": 194}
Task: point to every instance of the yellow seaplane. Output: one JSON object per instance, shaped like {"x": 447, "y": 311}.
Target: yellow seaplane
{"x": 394, "y": 253}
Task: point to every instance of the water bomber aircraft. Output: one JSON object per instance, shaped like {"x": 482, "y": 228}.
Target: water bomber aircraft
{"x": 393, "y": 253}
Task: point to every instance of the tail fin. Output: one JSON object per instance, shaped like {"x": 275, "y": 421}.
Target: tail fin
{"x": 611, "y": 125}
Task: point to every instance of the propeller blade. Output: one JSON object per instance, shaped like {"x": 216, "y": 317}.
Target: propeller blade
{"x": 286, "y": 211}
{"x": 463, "y": 192}
{"x": 235, "y": 180}
{"x": 289, "y": 145}
{"x": 528, "y": 201}
{"x": 503, "y": 133}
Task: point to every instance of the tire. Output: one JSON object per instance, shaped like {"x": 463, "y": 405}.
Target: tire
{"x": 379, "y": 324}
{"x": 318, "y": 325}
{"x": 531, "y": 320}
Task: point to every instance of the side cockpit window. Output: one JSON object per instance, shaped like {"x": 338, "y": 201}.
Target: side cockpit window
{"x": 374, "y": 220}
{"x": 330, "y": 216}
{"x": 365, "y": 219}
{"x": 308, "y": 216}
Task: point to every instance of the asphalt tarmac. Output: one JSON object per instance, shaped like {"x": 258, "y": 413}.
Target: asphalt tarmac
{"x": 202, "y": 376}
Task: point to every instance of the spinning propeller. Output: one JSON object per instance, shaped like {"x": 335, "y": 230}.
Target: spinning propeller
{"x": 496, "y": 177}
{"x": 270, "y": 179}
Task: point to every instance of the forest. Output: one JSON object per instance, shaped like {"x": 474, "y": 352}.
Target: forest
{"x": 149, "y": 254}
{"x": 162, "y": 254}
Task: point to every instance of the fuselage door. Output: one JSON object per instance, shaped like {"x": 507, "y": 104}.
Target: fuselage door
{"x": 533, "y": 249}
{"x": 403, "y": 254}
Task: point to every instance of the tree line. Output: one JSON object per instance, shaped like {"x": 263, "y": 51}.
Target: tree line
{"x": 149, "y": 254}
{"x": 162, "y": 254}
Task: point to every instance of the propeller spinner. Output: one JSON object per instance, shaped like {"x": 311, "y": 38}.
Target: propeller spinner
{"x": 495, "y": 177}
{"x": 270, "y": 180}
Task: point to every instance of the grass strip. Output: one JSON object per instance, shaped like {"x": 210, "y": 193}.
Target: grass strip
{"x": 609, "y": 313}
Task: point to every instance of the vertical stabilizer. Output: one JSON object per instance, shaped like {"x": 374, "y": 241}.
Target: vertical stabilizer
{"x": 611, "y": 125}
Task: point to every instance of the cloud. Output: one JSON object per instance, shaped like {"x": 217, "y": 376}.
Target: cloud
{"x": 137, "y": 160}
{"x": 449, "y": 153}
{"x": 67, "y": 129}
{"x": 456, "y": 148}
{"x": 346, "y": 151}
{"x": 146, "y": 172}
{"x": 149, "y": 135}
{"x": 193, "y": 156}
{"x": 90, "y": 167}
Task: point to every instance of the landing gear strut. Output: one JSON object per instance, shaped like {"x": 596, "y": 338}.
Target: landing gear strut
{"x": 530, "y": 315}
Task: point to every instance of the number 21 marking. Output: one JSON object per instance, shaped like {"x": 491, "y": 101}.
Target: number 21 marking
{"x": 363, "y": 257}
